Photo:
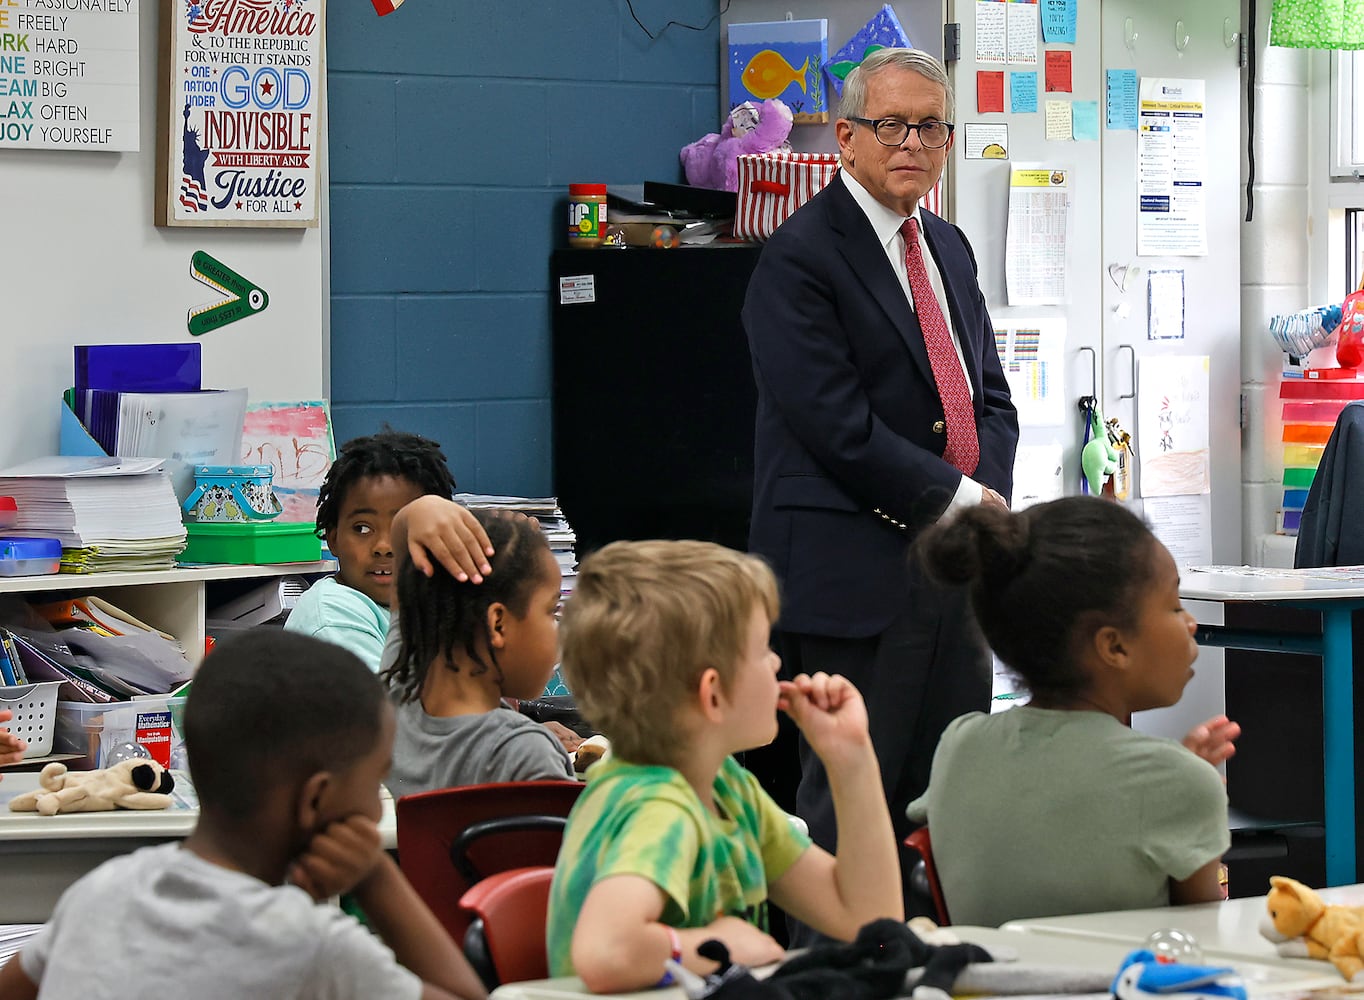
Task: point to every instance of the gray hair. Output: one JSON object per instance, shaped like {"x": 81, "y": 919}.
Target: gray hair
{"x": 854, "y": 101}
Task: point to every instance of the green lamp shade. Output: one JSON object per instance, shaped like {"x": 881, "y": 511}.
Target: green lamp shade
{"x": 1317, "y": 24}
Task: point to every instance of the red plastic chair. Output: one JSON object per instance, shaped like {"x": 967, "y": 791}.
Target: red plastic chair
{"x": 919, "y": 842}
{"x": 505, "y": 942}
{"x": 450, "y": 839}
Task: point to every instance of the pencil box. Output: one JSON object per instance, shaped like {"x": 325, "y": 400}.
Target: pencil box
{"x": 232, "y": 493}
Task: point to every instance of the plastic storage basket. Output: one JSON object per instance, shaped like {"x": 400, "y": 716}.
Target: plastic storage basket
{"x": 34, "y": 708}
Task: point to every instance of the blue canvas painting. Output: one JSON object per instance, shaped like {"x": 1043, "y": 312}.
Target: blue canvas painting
{"x": 781, "y": 59}
{"x": 882, "y": 32}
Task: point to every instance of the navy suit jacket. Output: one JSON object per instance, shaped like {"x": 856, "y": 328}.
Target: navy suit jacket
{"x": 849, "y": 419}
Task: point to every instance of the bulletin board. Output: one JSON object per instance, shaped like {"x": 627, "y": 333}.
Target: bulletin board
{"x": 82, "y": 262}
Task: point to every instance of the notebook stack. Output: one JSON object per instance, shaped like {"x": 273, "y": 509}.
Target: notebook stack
{"x": 108, "y": 513}
{"x": 552, "y": 522}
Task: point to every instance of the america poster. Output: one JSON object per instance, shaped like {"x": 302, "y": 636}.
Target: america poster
{"x": 238, "y": 123}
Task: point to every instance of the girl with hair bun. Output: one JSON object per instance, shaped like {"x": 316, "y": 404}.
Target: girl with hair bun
{"x": 1057, "y": 806}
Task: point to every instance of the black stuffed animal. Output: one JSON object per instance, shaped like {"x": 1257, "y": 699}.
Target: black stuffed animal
{"x": 872, "y": 967}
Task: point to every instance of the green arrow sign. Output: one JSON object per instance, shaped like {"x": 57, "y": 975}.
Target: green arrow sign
{"x": 243, "y": 298}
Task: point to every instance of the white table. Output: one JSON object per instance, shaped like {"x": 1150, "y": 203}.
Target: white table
{"x": 1334, "y": 592}
{"x": 1262, "y": 979}
{"x": 1227, "y": 931}
{"x": 40, "y": 856}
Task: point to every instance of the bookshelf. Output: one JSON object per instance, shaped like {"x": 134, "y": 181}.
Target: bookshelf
{"x": 172, "y": 600}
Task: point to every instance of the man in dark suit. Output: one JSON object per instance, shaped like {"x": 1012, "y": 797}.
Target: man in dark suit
{"x": 881, "y": 407}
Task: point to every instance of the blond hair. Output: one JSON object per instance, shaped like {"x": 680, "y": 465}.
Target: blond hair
{"x": 645, "y": 621}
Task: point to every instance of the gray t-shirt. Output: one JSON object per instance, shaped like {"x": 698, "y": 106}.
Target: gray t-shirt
{"x": 432, "y": 752}
{"x": 1036, "y": 812}
{"x": 176, "y": 925}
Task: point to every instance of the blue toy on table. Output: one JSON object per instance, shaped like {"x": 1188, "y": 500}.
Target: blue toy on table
{"x": 1142, "y": 976}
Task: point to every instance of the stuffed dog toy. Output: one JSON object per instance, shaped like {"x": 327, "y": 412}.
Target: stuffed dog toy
{"x": 129, "y": 784}
{"x": 1302, "y": 926}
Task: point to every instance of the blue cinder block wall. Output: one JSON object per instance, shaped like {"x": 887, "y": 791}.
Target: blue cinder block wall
{"x": 455, "y": 128}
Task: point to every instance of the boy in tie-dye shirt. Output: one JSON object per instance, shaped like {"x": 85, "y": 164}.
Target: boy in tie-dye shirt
{"x": 665, "y": 646}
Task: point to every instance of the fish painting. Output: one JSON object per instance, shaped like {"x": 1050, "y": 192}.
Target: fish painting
{"x": 768, "y": 74}
{"x": 781, "y": 60}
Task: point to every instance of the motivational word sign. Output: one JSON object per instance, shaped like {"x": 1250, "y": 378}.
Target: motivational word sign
{"x": 68, "y": 74}
{"x": 238, "y": 112}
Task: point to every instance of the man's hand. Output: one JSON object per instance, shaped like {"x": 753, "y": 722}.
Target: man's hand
{"x": 829, "y": 712}
{"x": 1213, "y": 740}
{"x": 11, "y": 747}
{"x": 338, "y": 858}
{"x": 990, "y": 498}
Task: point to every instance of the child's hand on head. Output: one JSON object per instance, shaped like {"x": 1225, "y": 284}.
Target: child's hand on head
{"x": 829, "y": 711}
{"x": 441, "y": 531}
{"x": 11, "y": 747}
{"x": 747, "y": 944}
{"x": 338, "y": 858}
{"x": 1213, "y": 740}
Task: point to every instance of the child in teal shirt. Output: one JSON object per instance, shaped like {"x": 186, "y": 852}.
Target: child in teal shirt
{"x": 371, "y": 480}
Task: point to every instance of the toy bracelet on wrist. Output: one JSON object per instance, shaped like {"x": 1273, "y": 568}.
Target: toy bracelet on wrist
{"x": 676, "y": 942}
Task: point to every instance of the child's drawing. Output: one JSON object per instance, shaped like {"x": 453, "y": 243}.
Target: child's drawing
{"x": 780, "y": 59}
{"x": 295, "y": 440}
{"x": 1172, "y": 426}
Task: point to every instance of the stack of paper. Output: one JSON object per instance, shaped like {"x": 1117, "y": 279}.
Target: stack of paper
{"x": 13, "y": 937}
{"x": 109, "y": 513}
{"x": 552, "y": 522}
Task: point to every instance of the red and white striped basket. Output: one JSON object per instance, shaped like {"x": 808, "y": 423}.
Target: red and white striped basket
{"x": 773, "y": 185}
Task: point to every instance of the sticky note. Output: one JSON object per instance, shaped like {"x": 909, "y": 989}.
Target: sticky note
{"x": 989, "y": 91}
{"x": 1058, "y": 71}
{"x": 1022, "y": 92}
{"x": 1058, "y": 21}
{"x": 1058, "y": 120}
{"x": 1084, "y": 124}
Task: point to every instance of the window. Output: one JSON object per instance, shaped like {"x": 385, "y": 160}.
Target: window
{"x": 1347, "y": 119}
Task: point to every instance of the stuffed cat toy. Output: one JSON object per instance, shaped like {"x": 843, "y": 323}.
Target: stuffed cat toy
{"x": 1301, "y": 925}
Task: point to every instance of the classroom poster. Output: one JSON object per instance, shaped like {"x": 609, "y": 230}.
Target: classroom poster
{"x": 1172, "y": 426}
{"x": 238, "y": 113}
{"x": 1037, "y": 241}
{"x": 1022, "y": 32}
{"x": 69, "y": 75}
{"x": 1172, "y": 169}
{"x": 991, "y": 31}
{"x": 782, "y": 60}
{"x": 1030, "y": 352}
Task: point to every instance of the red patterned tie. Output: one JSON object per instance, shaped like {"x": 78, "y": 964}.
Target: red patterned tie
{"x": 963, "y": 448}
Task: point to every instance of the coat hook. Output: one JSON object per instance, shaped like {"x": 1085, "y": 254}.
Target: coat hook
{"x": 1181, "y": 37}
{"x": 1229, "y": 38}
{"x": 1129, "y": 35}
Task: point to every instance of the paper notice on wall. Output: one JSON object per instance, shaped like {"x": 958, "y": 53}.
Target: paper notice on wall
{"x": 1038, "y": 475}
{"x": 1037, "y": 240}
{"x": 986, "y": 141}
{"x": 1184, "y": 526}
{"x": 991, "y": 31}
{"x": 1058, "y": 118}
{"x": 1172, "y": 426}
{"x": 1030, "y": 351}
{"x": 1023, "y": 27}
{"x": 1172, "y": 168}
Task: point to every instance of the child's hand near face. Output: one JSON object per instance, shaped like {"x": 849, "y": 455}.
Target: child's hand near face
{"x": 830, "y": 714}
{"x": 11, "y": 747}
{"x": 437, "y": 530}
{"x": 338, "y": 858}
{"x": 1213, "y": 740}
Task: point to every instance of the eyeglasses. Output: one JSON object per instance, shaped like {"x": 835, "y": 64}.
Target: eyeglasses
{"x": 893, "y": 132}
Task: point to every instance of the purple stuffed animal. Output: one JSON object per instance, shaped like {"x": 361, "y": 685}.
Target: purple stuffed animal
{"x": 710, "y": 161}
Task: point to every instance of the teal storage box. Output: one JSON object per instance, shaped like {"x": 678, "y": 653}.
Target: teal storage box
{"x": 253, "y": 542}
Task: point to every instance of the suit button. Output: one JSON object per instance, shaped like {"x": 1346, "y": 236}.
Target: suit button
{"x": 939, "y": 426}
